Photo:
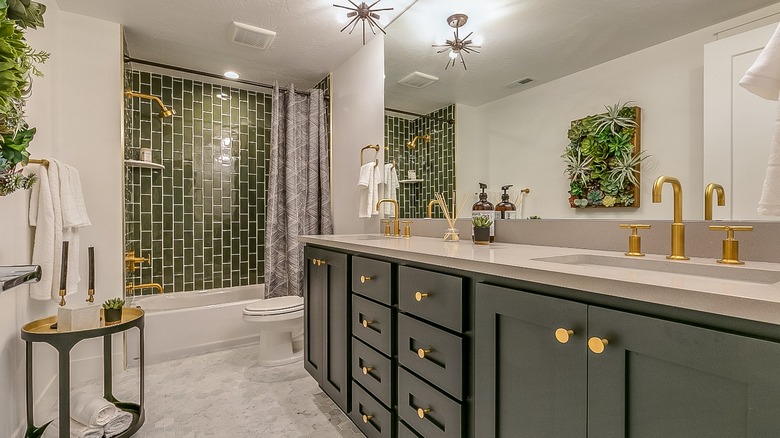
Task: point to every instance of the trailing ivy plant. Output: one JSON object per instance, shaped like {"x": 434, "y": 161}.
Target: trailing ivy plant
{"x": 601, "y": 161}
{"x": 17, "y": 67}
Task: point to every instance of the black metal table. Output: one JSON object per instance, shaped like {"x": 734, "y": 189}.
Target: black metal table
{"x": 42, "y": 331}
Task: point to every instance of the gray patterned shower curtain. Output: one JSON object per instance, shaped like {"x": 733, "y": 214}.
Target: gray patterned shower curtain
{"x": 299, "y": 186}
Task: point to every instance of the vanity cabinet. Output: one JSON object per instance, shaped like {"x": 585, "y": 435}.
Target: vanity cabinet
{"x": 552, "y": 367}
{"x": 326, "y": 322}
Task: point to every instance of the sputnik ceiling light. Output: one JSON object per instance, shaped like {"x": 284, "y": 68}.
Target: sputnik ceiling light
{"x": 364, "y": 13}
{"x": 457, "y": 47}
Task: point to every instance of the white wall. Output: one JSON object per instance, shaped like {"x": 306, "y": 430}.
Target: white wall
{"x": 357, "y": 99}
{"x": 76, "y": 107}
{"x": 527, "y": 131}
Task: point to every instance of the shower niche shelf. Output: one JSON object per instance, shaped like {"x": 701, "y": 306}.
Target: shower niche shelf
{"x": 144, "y": 164}
{"x": 411, "y": 181}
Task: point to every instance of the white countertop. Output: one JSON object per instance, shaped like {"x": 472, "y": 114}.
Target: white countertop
{"x": 739, "y": 299}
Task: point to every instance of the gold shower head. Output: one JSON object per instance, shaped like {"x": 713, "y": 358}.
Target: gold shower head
{"x": 165, "y": 112}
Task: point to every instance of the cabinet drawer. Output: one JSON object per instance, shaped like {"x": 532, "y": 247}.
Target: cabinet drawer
{"x": 373, "y": 371}
{"x": 441, "y": 416}
{"x": 432, "y": 296}
{"x": 442, "y": 365}
{"x": 372, "y": 323}
{"x": 373, "y": 419}
{"x": 405, "y": 431}
{"x": 372, "y": 278}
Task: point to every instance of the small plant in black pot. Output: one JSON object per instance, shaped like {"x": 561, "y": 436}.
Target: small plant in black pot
{"x": 112, "y": 310}
{"x": 482, "y": 229}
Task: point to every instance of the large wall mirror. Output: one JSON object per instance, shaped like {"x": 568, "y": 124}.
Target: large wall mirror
{"x": 501, "y": 116}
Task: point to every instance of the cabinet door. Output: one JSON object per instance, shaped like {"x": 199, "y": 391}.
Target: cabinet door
{"x": 657, "y": 378}
{"x": 528, "y": 383}
{"x": 326, "y": 311}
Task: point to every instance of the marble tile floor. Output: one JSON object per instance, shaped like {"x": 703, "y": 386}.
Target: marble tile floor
{"x": 225, "y": 394}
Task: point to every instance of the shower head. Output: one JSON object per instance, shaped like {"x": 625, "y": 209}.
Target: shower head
{"x": 165, "y": 112}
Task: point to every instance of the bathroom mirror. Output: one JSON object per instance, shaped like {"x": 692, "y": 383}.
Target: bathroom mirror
{"x": 539, "y": 68}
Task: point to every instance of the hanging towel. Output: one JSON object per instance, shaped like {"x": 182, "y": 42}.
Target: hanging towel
{"x": 120, "y": 423}
{"x": 77, "y": 430}
{"x": 91, "y": 409}
{"x": 763, "y": 80}
{"x": 390, "y": 189}
{"x": 368, "y": 184}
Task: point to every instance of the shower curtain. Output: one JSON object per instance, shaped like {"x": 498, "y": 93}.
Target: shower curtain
{"x": 299, "y": 186}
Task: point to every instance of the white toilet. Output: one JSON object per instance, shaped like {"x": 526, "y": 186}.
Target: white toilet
{"x": 280, "y": 321}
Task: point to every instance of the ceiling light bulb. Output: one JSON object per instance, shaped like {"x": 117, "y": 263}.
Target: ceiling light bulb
{"x": 453, "y": 54}
{"x": 231, "y": 74}
{"x": 226, "y": 141}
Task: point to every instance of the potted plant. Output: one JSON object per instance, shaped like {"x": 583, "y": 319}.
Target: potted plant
{"x": 112, "y": 310}
{"x": 482, "y": 229}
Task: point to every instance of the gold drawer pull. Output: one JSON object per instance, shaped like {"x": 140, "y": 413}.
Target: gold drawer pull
{"x": 366, "y": 370}
{"x": 318, "y": 262}
{"x": 563, "y": 335}
{"x": 367, "y": 322}
{"x": 421, "y": 412}
{"x": 597, "y": 345}
{"x": 364, "y": 278}
{"x": 367, "y": 417}
{"x": 420, "y": 295}
{"x": 422, "y": 352}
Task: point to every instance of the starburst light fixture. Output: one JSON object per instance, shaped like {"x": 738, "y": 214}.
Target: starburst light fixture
{"x": 365, "y": 14}
{"x": 457, "y": 47}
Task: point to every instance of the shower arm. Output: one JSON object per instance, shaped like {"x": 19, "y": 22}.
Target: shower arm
{"x": 413, "y": 144}
{"x": 165, "y": 111}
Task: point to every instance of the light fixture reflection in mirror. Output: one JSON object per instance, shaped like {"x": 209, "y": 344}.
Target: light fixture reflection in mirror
{"x": 457, "y": 47}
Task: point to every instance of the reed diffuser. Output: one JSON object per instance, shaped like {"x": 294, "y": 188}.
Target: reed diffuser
{"x": 452, "y": 234}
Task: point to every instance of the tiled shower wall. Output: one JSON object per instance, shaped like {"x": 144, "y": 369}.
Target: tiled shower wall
{"x": 202, "y": 218}
{"x": 434, "y": 161}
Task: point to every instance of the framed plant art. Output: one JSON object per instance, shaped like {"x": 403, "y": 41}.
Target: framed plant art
{"x": 603, "y": 158}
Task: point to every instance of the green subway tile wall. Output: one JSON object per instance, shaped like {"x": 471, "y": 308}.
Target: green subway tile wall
{"x": 434, "y": 161}
{"x": 202, "y": 219}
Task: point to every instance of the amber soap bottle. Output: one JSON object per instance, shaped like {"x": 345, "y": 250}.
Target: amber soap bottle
{"x": 505, "y": 209}
{"x": 483, "y": 207}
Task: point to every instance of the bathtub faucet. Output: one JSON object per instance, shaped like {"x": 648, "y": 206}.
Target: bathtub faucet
{"x": 131, "y": 287}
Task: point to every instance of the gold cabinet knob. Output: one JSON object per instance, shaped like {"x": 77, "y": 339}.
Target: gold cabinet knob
{"x": 367, "y": 322}
{"x": 314, "y": 262}
{"x": 730, "y": 254}
{"x": 364, "y": 278}
{"x": 367, "y": 370}
{"x": 563, "y": 335}
{"x": 367, "y": 417}
{"x": 418, "y": 296}
{"x": 597, "y": 345}
{"x": 421, "y": 412}
{"x": 318, "y": 262}
{"x": 421, "y": 352}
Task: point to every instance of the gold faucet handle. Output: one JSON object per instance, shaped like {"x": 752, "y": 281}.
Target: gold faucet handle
{"x": 388, "y": 223}
{"x": 635, "y": 240}
{"x": 407, "y": 229}
{"x": 730, "y": 254}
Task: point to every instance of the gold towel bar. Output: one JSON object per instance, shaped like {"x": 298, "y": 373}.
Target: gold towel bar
{"x": 371, "y": 146}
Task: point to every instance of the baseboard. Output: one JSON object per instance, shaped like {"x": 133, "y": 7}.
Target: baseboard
{"x": 208, "y": 347}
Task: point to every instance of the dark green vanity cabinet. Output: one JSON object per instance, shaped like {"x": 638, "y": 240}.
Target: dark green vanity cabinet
{"x": 326, "y": 322}
{"x": 652, "y": 377}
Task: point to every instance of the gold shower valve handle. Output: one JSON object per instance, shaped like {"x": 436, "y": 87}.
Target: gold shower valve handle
{"x": 730, "y": 244}
{"x": 597, "y": 345}
{"x": 563, "y": 335}
{"x": 635, "y": 240}
{"x": 418, "y": 296}
{"x": 367, "y": 370}
{"x": 364, "y": 279}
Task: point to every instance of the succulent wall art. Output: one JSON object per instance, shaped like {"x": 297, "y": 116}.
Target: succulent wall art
{"x": 603, "y": 158}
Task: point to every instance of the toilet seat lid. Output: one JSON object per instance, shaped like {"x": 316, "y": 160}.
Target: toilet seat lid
{"x": 275, "y": 306}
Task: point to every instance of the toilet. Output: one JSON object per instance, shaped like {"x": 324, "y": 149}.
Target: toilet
{"x": 280, "y": 321}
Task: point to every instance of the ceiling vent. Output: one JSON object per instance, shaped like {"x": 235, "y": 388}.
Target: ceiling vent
{"x": 418, "y": 80}
{"x": 252, "y": 36}
{"x": 519, "y": 82}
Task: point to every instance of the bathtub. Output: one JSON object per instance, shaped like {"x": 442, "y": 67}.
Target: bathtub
{"x": 185, "y": 323}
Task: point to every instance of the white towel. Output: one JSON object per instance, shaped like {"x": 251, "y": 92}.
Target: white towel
{"x": 120, "y": 423}
{"x": 91, "y": 409}
{"x": 763, "y": 80}
{"x": 56, "y": 200}
{"x": 368, "y": 183}
{"x": 77, "y": 430}
{"x": 390, "y": 189}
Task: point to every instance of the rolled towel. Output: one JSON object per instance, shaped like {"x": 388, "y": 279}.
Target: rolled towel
{"x": 77, "y": 430}
{"x": 91, "y": 409}
{"x": 120, "y": 423}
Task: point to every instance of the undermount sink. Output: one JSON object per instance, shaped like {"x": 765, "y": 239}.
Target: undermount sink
{"x": 718, "y": 271}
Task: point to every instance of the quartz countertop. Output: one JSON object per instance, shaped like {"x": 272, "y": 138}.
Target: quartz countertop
{"x": 739, "y": 299}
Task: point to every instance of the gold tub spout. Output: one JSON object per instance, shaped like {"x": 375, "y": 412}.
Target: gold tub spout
{"x": 131, "y": 287}
{"x": 717, "y": 188}
{"x": 396, "y": 223}
{"x": 678, "y": 228}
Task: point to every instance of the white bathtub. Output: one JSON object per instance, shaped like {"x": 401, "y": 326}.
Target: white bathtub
{"x": 183, "y": 323}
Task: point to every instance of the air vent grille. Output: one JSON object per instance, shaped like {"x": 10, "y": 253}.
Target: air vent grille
{"x": 519, "y": 82}
{"x": 418, "y": 80}
{"x": 252, "y": 36}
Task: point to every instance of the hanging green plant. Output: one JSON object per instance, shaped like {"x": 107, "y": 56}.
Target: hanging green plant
{"x": 603, "y": 158}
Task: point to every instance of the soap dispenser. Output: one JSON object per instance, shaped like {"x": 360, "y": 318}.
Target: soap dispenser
{"x": 505, "y": 209}
{"x": 483, "y": 207}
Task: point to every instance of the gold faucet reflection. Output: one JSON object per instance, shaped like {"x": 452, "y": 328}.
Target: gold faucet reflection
{"x": 678, "y": 228}
{"x": 132, "y": 287}
{"x": 717, "y": 188}
{"x": 430, "y": 207}
{"x": 396, "y": 223}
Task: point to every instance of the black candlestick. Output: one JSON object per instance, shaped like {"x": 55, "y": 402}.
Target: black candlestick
{"x": 91, "y": 267}
{"x": 64, "y": 273}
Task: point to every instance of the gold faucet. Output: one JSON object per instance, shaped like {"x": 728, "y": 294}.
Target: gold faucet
{"x": 430, "y": 207}
{"x": 712, "y": 187}
{"x": 678, "y": 228}
{"x": 396, "y": 223}
{"x": 131, "y": 287}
